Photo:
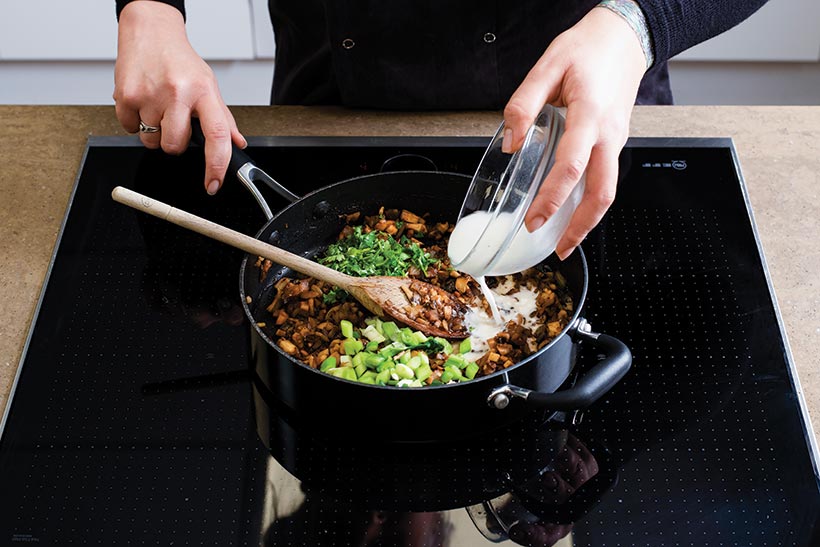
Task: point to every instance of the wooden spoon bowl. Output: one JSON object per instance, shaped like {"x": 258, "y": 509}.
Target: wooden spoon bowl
{"x": 423, "y": 306}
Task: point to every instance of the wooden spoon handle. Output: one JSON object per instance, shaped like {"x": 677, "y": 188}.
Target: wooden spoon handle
{"x": 231, "y": 237}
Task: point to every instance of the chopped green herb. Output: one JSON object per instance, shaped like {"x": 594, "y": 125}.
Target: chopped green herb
{"x": 335, "y": 295}
{"x": 375, "y": 253}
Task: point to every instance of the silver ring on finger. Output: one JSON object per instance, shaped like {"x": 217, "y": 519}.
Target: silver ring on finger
{"x": 145, "y": 128}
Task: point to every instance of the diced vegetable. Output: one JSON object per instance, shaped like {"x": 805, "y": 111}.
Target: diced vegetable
{"x": 383, "y": 376}
{"x": 347, "y": 328}
{"x": 424, "y": 372}
{"x": 328, "y": 364}
{"x": 391, "y": 330}
{"x": 372, "y": 334}
{"x": 404, "y": 371}
{"x": 344, "y": 372}
{"x": 447, "y": 347}
{"x": 456, "y": 361}
{"x": 372, "y": 360}
{"x": 352, "y": 347}
{"x": 455, "y": 372}
{"x": 383, "y": 354}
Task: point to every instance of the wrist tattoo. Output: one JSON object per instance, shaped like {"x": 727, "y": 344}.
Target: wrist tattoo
{"x": 633, "y": 15}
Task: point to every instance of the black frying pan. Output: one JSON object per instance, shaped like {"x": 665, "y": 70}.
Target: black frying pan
{"x": 432, "y": 413}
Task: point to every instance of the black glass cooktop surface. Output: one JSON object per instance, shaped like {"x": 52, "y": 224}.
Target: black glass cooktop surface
{"x": 134, "y": 417}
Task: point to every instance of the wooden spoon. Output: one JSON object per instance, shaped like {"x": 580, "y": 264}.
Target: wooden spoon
{"x": 406, "y": 299}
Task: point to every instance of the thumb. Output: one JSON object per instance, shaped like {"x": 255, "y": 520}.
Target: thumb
{"x": 542, "y": 83}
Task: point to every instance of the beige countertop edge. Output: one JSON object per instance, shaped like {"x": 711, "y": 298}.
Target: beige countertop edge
{"x": 41, "y": 148}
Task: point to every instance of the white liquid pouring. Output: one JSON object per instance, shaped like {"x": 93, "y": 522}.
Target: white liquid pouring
{"x": 482, "y": 327}
{"x": 471, "y": 247}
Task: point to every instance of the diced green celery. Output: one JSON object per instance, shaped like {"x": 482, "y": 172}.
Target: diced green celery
{"x": 379, "y": 325}
{"x": 425, "y": 359}
{"x": 419, "y": 337}
{"x": 345, "y": 360}
{"x": 404, "y": 382}
{"x": 361, "y": 369}
{"x": 390, "y": 350}
{"x": 456, "y": 361}
{"x": 344, "y": 372}
{"x": 387, "y": 364}
{"x": 372, "y": 334}
{"x": 414, "y": 362}
{"x": 448, "y": 347}
{"x": 465, "y": 346}
{"x": 405, "y": 357}
{"x": 446, "y": 377}
{"x": 372, "y": 346}
{"x": 423, "y": 372}
{"x": 347, "y": 328}
{"x": 407, "y": 336}
{"x": 471, "y": 371}
{"x": 358, "y": 360}
{"x": 328, "y": 364}
{"x": 436, "y": 383}
{"x": 370, "y": 321}
{"x": 352, "y": 347}
{"x": 455, "y": 371}
{"x": 368, "y": 374}
{"x": 383, "y": 376}
{"x": 368, "y": 381}
{"x": 404, "y": 371}
{"x": 391, "y": 330}
{"x": 372, "y": 360}
{"x": 416, "y": 383}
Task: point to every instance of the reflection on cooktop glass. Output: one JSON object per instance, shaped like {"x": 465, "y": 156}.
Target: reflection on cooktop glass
{"x": 140, "y": 418}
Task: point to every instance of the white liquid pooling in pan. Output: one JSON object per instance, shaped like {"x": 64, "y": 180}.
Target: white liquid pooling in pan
{"x": 482, "y": 327}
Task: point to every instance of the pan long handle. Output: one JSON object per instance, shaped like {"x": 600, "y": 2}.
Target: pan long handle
{"x": 590, "y": 386}
{"x": 231, "y": 237}
{"x": 246, "y": 171}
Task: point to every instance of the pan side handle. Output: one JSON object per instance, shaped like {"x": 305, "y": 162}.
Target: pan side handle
{"x": 247, "y": 172}
{"x": 590, "y": 387}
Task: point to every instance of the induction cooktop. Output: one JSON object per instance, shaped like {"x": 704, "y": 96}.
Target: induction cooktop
{"x": 135, "y": 419}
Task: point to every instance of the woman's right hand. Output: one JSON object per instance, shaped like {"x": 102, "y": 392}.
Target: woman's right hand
{"x": 160, "y": 80}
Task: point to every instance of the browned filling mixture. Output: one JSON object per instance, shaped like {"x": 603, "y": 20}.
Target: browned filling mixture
{"x": 327, "y": 329}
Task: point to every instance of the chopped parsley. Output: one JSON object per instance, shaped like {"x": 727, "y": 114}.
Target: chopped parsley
{"x": 375, "y": 253}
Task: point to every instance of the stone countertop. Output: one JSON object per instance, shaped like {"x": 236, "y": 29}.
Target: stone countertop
{"x": 779, "y": 149}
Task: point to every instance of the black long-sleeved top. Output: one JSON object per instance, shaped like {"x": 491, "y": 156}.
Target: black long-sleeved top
{"x": 453, "y": 54}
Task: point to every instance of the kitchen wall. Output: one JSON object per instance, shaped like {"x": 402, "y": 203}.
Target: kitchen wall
{"x": 67, "y": 57}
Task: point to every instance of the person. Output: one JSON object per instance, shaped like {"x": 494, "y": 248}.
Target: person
{"x": 596, "y": 58}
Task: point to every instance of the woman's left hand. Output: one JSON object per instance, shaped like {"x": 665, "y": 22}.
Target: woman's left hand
{"x": 594, "y": 69}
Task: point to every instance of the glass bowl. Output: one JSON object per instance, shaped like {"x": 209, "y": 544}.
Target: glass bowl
{"x": 490, "y": 237}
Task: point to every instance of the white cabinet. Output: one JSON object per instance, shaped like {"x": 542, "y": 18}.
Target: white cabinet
{"x": 782, "y": 30}
{"x": 60, "y": 30}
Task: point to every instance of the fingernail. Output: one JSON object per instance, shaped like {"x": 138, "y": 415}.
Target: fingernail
{"x": 506, "y": 143}
{"x": 563, "y": 254}
{"x": 213, "y": 187}
{"x": 244, "y": 143}
{"x": 535, "y": 223}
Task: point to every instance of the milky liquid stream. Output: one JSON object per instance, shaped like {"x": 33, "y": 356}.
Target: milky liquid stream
{"x": 509, "y": 307}
{"x": 488, "y": 294}
{"x": 471, "y": 255}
